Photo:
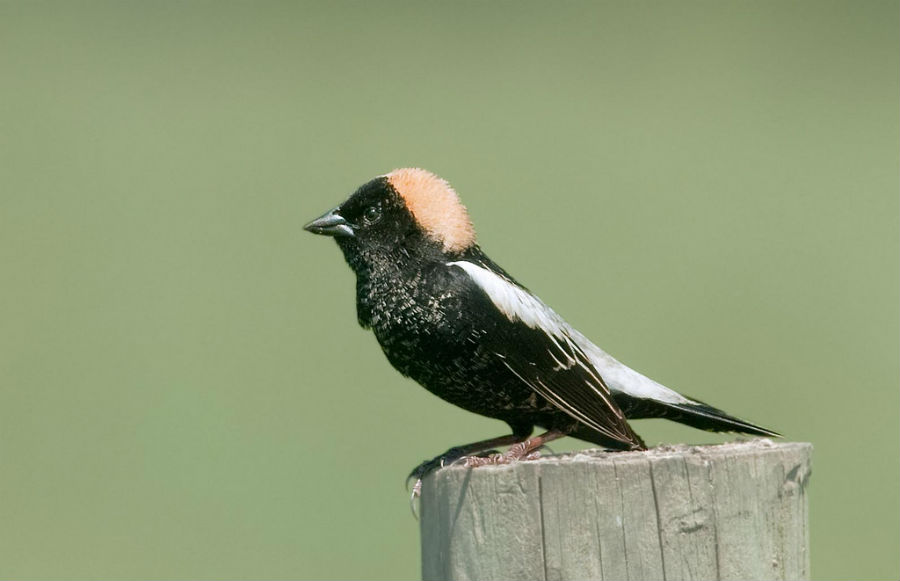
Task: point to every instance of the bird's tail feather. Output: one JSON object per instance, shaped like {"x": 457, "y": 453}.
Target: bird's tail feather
{"x": 705, "y": 417}
{"x": 693, "y": 413}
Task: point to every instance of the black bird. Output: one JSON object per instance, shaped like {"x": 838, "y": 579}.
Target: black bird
{"x": 449, "y": 317}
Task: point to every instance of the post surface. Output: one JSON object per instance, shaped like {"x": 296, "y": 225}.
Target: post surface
{"x": 731, "y": 511}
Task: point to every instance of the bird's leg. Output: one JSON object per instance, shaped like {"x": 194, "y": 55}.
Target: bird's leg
{"x": 520, "y": 433}
{"x": 451, "y": 456}
{"x": 458, "y": 452}
{"x": 522, "y": 450}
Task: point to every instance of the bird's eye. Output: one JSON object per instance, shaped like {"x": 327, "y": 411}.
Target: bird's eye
{"x": 372, "y": 214}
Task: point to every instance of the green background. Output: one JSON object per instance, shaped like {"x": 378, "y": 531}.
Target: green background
{"x": 709, "y": 190}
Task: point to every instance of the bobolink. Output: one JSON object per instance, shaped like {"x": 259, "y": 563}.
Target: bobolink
{"x": 449, "y": 317}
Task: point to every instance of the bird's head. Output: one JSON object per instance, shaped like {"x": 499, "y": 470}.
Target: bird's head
{"x": 409, "y": 212}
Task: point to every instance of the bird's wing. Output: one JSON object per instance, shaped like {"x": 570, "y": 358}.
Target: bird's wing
{"x": 535, "y": 344}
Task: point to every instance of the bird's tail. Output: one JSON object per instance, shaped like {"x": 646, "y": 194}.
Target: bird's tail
{"x": 694, "y": 413}
{"x": 705, "y": 417}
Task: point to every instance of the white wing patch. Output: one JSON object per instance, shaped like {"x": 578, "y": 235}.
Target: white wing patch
{"x": 515, "y": 302}
{"x": 520, "y": 305}
{"x": 622, "y": 379}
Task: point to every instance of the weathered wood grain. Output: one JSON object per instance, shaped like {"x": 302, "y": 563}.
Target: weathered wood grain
{"x": 733, "y": 511}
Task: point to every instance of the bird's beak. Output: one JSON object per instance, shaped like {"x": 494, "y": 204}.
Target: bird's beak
{"x": 331, "y": 224}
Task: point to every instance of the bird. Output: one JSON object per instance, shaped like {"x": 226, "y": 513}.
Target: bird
{"x": 453, "y": 320}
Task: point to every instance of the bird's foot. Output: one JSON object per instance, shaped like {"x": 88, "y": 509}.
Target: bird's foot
{"x": 447, "y": 458}
{"x": 427, "y": 467}
{"x": 474, "y": 455}
{"x": 522, "y": 451}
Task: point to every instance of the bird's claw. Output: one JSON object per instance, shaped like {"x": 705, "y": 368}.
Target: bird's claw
{"x": 454, "y": 455}
{"x": 419, "y": 473}
{"x": 414, "y": 497}
{"x": 448, "y": 458}
{"x": 423, "y": 470}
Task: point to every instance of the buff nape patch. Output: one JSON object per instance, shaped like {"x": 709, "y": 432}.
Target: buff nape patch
{"x": 435, "y": 206}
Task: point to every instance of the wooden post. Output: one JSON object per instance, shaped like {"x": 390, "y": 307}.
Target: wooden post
{"x": 733, "y": 511}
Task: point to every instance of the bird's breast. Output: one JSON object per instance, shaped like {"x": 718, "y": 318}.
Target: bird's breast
{"x": 432, "y": 331}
